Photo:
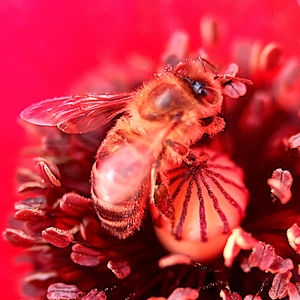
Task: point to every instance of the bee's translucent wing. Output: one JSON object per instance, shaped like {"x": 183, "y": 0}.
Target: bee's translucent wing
{"x": 77, "y": 114}
{"x": 118, "y": 177}
{"x": 121, "y": 183}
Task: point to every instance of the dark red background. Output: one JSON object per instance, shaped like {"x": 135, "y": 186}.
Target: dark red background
{"x": 47, "y": 45}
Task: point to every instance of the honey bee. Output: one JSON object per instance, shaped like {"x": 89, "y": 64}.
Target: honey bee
{"x": 156, "y": 126}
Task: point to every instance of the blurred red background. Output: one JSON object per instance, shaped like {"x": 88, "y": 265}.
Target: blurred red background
{"x": 46, "y": 46}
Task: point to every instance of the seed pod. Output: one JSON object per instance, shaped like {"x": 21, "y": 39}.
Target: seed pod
{"x": 209, "y": 200}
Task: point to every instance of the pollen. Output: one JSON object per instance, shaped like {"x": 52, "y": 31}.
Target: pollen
{"x": 207, "y": 199}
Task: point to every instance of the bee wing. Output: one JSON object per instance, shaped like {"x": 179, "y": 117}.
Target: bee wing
{"x": 121, "y": 175}
{"x": 77, "y": 114}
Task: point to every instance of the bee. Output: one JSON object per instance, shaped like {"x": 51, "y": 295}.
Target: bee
{"x": 156, "y": 125}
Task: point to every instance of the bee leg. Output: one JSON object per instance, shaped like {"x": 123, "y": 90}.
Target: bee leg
{"x": 193, "y": 158}
{"x": 163, "y": 201}
{"x": 189, "y": 156}
{"x": 177, "y": 147}
{"x": 153, "y": 175}
{"x": 153, "y": 183}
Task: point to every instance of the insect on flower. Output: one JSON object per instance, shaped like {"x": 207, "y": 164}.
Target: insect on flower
{"x": 156, "y": 127}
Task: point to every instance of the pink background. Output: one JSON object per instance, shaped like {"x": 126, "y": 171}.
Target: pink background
{"x": 47, "y": 45}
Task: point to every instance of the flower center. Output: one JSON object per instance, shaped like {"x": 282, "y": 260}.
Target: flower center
{"x": 209, "y": 199}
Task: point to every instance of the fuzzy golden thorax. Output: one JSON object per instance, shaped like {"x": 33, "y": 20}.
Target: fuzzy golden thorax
{"x": 170, "y": 98}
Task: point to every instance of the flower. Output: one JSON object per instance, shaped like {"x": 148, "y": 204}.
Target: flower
{"x": 70, "y": 253}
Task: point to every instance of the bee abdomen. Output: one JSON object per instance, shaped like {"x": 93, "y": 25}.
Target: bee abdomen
{"x": 122, "y": 219}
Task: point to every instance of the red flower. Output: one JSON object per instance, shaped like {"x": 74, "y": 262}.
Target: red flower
{"x": 260, "y": 132}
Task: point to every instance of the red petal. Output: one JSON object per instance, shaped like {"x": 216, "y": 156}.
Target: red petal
{"x": 57, "y": 237}
{"x": 279, "y": 285}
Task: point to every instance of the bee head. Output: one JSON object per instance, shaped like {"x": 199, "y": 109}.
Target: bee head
{"x": 198, "y": 78}
{"x": 190, "y": 86}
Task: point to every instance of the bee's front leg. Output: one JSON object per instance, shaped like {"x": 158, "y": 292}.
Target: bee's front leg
{"x": 188, "y": 155}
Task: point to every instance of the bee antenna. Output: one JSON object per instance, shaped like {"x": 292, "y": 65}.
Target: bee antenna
{"x": 211, "y": 88}
{"x": 202, "y": 63}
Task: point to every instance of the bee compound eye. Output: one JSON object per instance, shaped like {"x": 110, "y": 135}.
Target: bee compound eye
{"x": 167, "y": 99}
{"x": 162, "y": 100}
{"x": 207, "y": 206}
{"x": 198, "y": 88}
{"x": 202, "y": 90}
{"x": 210, "y": 96}
{"x": 164, "y": 96}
